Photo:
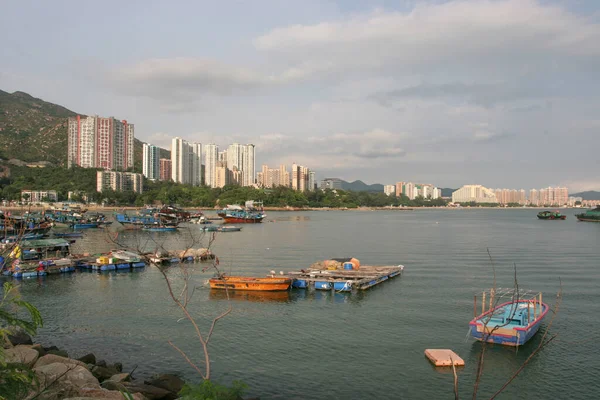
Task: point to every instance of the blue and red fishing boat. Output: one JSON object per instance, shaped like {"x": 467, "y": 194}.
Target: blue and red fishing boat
{"x": 510, "y": 323}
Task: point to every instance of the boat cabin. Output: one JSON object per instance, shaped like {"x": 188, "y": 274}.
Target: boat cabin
{"x": 44, "y": 248}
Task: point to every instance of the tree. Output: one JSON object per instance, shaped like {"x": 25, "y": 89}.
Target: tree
{"x": 15, "y": 380}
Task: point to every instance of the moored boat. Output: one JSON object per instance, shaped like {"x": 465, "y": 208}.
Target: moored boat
{"x": 592, "y": 215}
{"x": 250, "y": 283}
{"x": 551, "y": 215}
{"x": 159, "y": 228}
{"x": 510, "y": 323}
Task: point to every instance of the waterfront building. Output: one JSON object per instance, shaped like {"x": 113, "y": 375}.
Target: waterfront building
{"x": 534, "y": 197}
{"x": 211, "y": 155}
{"x": 165, "y": 169}
{"x": 399, "y": 189}
{"x": 273, "y": 177}
{"x": 98, "y": 142}
{"x": 234, "y": 156}
{"x": 186, "y": 162}
{"x": 331, "y": 183}
{"x": 150, "y": 161}
{"x": 222, "y": 174}
{"x": 474, "y": 193}
{"x": 389, "y": 189}
{"x": 38, "y": 196}
{"x": 119, "y": 181}
{"x": 312, "y": 182}
{"x": 248, "y": 168}
{"x": 554, "y": 196}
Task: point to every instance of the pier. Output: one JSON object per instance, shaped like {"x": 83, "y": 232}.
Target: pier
{"x": 344, "y": 280}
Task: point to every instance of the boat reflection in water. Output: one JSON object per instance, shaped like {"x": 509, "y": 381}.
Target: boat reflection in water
{"x": 256, "y": 296}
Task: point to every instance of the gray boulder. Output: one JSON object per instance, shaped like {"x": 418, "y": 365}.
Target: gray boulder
{"x": 103, "y": 373}
{"x": 124, "y": 377}
{"x": 113, "y": 385}
{"x": 150, "y": 392}
{"x": 17, "y": 336}
{"x": 51, "y": 359}
{"x": 88, "y": 358}
{"x": 61, "y": 353}
{"x": 40, "y": 349}
{"x": 21, "y": 355}
{"x": 169, "y": 382}
{"x": 60, "y": 381}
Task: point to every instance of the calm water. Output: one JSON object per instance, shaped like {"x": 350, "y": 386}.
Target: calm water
{"x": 315, "y": 345}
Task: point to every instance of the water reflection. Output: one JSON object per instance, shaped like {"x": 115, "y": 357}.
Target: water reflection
{"x": 261, "y": 297}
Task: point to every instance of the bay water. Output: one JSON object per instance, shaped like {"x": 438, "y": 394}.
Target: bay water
{"x": 367, "y": 345}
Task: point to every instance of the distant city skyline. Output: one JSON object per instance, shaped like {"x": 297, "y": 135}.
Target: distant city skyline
{"x": 506, "y": 95}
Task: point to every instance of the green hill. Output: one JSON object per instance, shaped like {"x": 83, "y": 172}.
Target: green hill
{"x": 588, "y": 195}
{"x": 32, "y": 130}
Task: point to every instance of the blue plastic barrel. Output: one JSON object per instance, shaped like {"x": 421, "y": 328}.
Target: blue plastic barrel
{"x": 348, "y": 265}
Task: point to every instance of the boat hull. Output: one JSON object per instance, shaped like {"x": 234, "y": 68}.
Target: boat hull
{"x": 251, "y": 284}
{"x": 584, "y": 219}
{"x": 562, "y": 217}
{"x": 241, "y": 220}
{"x": 506, "y": 335}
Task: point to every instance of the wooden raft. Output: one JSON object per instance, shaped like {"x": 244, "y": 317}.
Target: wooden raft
{"x": 443, "y": 357}
{"x": 363, "y": 278}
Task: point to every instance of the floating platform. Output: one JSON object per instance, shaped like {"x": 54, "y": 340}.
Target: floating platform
{"x": 345, "y": 280}
{"x": 444, "y": 358}
{"x": 176, "y": 260}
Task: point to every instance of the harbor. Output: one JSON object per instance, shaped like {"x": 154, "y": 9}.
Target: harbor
{"x": 130, "y": 309}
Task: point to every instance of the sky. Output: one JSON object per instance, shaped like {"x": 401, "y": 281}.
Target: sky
{"x": 503, "y": 93}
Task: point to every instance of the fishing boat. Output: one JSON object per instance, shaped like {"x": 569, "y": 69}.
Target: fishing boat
{"x": 243, "y": 217}
{"x": 251, "y": 213}
{"x": 510, "y": 323}
{"x": 159, "y": 228}
{"x": 84, "y": 225}
{"x": 126, "y": 256}
{"x": 551, "y": 215}
{"x": 229, "y": 229}
{"x": 270, "y": 284}
{"x": 215, "y": 228}
{"x": 68, "y": 234}
{"x": 592, "y": 215}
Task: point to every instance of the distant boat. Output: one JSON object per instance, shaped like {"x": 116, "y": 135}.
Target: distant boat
{"x": 85, "y": 225}
{"x": 551, "y": 215}
{"x": 159, "y": 228}
{"x": 510, "y": 323}
{"x": 271, "y": 284}
{"x": 67, "y": 234}
{"x": 229, "y": 229}
{"x": 592, "y": 215}
{"x": 251, "y": 213}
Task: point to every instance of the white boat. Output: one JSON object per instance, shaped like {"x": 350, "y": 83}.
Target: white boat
{"x": 127, "y": 256}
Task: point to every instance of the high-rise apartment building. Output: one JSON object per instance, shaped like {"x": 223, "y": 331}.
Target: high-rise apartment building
{"x": 119, "y": 181}
{"x": 248, "y": 164}
{"x": 235, "y": 154}
{"x": 165, "y": 169}
{"x": 389, "y": 189}
{"x": 222, "y": 174}
{"x": 399, "y": 189}
{"x": 186, "y": 162}
{"x": 534, "y": 197}
{"x": 474, "y": 193}
{"x": 211, "y": 154}
{"x": 312, "y": 181}
{"x": 97, "y": 142}
{"x": 273, "y": 177}
{"x": 331, "y": 183}
{"x": 150, "y": 161}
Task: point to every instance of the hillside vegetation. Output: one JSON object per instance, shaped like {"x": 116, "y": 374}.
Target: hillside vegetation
{"x": 32, "y": 130}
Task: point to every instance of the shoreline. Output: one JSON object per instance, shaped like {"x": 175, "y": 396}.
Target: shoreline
{"x": 92, "y": 208}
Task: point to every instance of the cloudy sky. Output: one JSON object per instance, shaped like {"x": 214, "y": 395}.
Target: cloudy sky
{"x": 504, "y": 93}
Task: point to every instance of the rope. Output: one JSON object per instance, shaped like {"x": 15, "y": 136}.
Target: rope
{"x": 347, "y": 285}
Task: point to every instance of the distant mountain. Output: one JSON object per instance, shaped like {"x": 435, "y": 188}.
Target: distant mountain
{"x": 33, "y": 130}
{"x": 588, "y": 195}
{"x": 360, "y": 186}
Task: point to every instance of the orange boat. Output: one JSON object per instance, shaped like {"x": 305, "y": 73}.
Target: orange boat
{"x": 270, "y": 284}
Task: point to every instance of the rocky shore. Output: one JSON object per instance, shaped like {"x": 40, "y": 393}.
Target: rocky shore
{"x": 61, "y": 377}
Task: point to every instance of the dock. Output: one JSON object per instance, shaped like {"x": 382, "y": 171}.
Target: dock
{"x": 344, "y": 280}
